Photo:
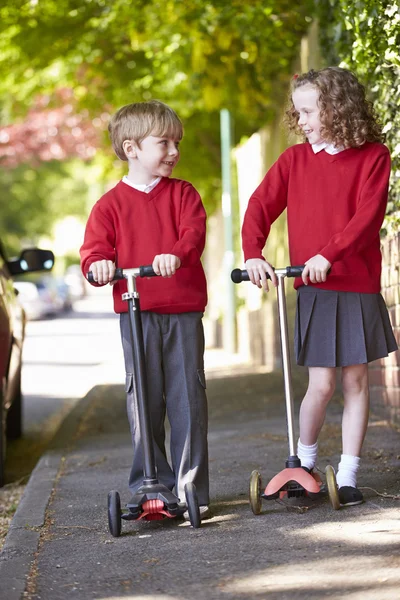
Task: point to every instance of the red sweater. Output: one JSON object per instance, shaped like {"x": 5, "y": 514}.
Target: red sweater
{"x": 335, "y": 207}
{"x": 130, "y": 228}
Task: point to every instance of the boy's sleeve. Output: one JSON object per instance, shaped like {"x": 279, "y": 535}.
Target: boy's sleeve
{"x": 265, "y": 205}
{"x": 365, "y": 225}
{"x": 192, "y": 228}
{"x": 99, "y": 240}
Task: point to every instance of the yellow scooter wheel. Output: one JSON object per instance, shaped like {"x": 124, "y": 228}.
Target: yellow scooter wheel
{"x": 255, "y": 492}
{"x": 332, "y": 487}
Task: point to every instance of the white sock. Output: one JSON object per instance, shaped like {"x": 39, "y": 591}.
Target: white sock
{"x": 347, "y": 470}
{"x": 307, "y": 454}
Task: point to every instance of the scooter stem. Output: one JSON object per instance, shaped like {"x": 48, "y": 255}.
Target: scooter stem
{"x": 281, "y": 274}
{"x": 140, "y": 380}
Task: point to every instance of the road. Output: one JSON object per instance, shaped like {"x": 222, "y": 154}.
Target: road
{"x": 63, "y": 359}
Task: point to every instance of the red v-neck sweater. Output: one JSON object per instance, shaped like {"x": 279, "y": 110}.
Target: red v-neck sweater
{"x": 335, "y": 207}
{"x": 130, "y": 228}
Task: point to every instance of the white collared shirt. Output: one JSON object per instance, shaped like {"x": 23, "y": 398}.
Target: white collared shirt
{"x": 142, "y": 187}
{"x": 329, "y": 148}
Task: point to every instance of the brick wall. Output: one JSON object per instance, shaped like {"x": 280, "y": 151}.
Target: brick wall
{"x": 385, "y": 373}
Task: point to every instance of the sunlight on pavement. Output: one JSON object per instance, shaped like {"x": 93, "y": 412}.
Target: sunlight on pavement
{"x": 326, "y": 574}
{"x": 368, "y": 531}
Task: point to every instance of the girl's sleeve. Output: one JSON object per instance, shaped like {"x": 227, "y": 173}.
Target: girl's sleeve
{"x": 192, "y": 228}
{"x": 99, "y": 240}
{"x": 364, "y": 226}
{"x": 265, "y": 205}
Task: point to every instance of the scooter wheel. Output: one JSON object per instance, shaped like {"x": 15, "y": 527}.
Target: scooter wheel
{"x": 255, "y": 492}
{"x": 114, "y": 513}
{"x": 332, "y": 487}
{"x": 192, "y": 505}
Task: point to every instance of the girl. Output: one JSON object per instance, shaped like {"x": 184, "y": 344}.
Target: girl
{"x": 335, "y": 188}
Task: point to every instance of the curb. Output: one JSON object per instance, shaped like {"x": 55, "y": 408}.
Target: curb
{"x": 23, "y": 536}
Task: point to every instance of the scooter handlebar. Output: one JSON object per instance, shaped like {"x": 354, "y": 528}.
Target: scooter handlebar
{"x": 144, "y": 271}
{"x": 147, "y": 271}
{"x": 239, "y": 275}
{"x": 295, "y": 271}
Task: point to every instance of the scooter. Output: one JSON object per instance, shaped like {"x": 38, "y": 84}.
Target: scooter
{"x": 153, "y": 501}
{"x": 293, "y": 481}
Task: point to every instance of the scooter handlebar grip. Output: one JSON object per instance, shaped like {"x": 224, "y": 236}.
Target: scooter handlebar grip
{"x": 117, "y": 275}
{"x": 238, "y": 276}
{"x": 147, "y": 271}
{"x": 297, "y": 271}
{"x": 294, "y": 271}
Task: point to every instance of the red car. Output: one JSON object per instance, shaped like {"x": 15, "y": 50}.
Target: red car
{"x": 12, "y": 330}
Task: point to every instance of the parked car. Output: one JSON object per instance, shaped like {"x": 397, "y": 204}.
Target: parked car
{"x": 12, "y": 332}
{"x": 42, "y": 297}
{"x": 76, "y": 282}
{"x": 64, "y": 293}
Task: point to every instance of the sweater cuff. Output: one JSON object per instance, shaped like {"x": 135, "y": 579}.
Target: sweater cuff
{"x": 252, "y": 253}
{"x": 331, "y": 253}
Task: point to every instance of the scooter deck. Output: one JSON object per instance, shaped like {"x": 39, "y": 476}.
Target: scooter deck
{"x": 153, "y": 510}
{"x": 153, "y": 502}
{"x": 281, "y": 482}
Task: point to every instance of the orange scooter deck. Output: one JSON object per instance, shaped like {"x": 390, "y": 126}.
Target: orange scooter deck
{"x": 310, "y": 482}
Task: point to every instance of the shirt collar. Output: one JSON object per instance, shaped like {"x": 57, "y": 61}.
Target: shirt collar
{"x": 329, "y": 148}
{"x": 142, "y": 187}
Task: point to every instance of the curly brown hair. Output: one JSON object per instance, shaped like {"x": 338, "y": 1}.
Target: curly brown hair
{"x": 347, "y": 118}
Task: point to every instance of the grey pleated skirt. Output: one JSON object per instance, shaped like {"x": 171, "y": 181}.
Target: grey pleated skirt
{"x": 339, "y": 329}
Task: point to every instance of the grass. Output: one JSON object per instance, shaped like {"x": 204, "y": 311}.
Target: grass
{"x": 10, "y": 496}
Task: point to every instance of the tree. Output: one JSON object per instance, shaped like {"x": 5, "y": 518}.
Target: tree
{"x": 197, "y": 56}
{"x": 200, "y": 55}
{"x": 50, "y": 133}
{"x": 365, "y": 37}
{"x": 32, "y": 199}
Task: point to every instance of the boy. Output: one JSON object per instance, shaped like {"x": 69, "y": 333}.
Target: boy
{"x": 146, "y": 218}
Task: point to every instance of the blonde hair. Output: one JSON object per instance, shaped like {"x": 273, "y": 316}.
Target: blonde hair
{"x": 141, "y": 119}
{"x": 347, "y": 118}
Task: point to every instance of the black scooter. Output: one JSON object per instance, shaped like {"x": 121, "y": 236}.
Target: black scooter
{"x": 153, "y": 501}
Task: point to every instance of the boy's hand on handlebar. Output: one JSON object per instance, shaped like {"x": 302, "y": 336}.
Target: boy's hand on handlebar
{"x": 257, "y": 269}
{"x": 103, "y": 271}
{"x": 316, "y": 269}
{"x": 166, "y": 264}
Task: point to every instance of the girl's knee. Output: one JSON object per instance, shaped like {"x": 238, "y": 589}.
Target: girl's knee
{"x": 355, "y": 378}
{"x": 322, "y": 383}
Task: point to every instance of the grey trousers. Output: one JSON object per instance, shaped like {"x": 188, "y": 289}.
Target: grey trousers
{"x": 174, "y": 352}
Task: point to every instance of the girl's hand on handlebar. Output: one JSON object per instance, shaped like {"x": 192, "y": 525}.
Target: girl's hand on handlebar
{"x": 257, "y": 269}
{"x": 166, "y": 264}
{"x": 316, "y": 269}
{"x": 103, "y": 271}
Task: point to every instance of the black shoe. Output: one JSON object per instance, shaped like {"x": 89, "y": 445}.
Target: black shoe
{"x": 307, "y": 470}
{"x": 350, "y": 496}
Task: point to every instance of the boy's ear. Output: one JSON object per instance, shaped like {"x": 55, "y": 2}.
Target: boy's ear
{"x": 129, "y": 148}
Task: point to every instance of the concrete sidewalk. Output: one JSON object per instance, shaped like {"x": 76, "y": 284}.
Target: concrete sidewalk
{"x": 59, "y": 547}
